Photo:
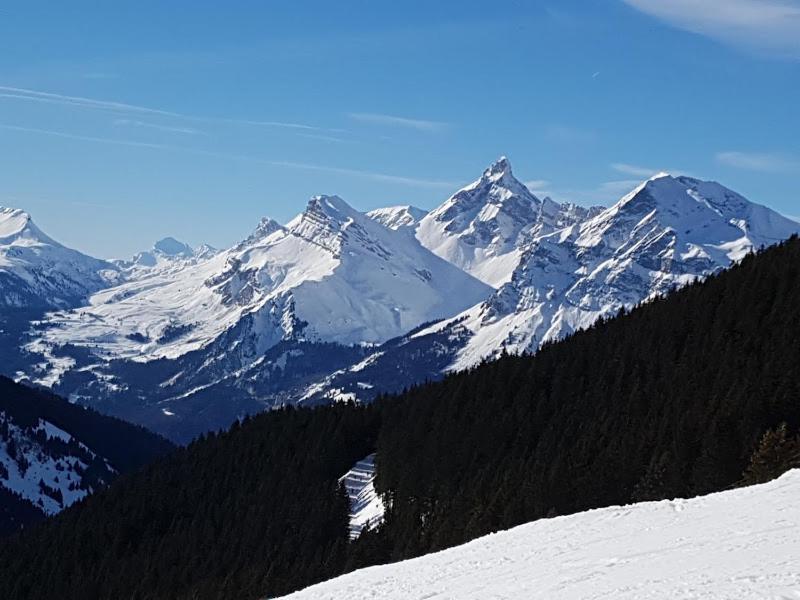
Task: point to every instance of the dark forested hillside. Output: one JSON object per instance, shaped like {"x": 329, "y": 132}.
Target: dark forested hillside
{"x": 126, "y": 446}
{"x": 671, "y": 399}
{"x": 82, "y": 446}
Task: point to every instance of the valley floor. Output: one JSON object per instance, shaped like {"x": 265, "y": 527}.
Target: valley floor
{"x": 741, "y": 544}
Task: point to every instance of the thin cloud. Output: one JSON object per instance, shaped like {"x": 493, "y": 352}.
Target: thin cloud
{"x": 38, "y": 96}
{"x": 122, "y": 107}
{"x": 763, "y": 162}
{"x": 635, "y": 170}
{"x": 766, "y": 26}
{"x": 156, "y": 126}
{"x": 536, "y": 184}
{"x": 84, "y": 138}
{"x": 645, "y": 172}
{"x": 373, "y": 175}
{"x": 325, "y": 138}
{"x": 394, "y": 121}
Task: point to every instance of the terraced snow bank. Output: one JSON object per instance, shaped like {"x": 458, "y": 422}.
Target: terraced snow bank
{"x": 366, "y": 506}
{"x": 742, "y": 544}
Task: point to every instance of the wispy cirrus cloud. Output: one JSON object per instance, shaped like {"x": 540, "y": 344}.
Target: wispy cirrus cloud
{"x": 158, "y": 127}
{"x": 28, "y": 95}
{"x": 766, "y": 26}
{"x": 83, "y": 138}
{"x": 763, "y": 162}
{"x": 78, "y": 101}
{"x": 360, "y": 173}
{"x": 375, "y": 176}
{"x": 635, "y": 170}
{"x": 327, "y": 138}
{"x": 643, "y": 172}
{"x": 395, "y": 121}
{"x": 536, "y": 185}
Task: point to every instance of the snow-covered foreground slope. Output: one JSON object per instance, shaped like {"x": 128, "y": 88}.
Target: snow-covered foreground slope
{"x": 737, "y": 545}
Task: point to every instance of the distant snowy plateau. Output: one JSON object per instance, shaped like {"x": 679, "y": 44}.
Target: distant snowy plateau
{"x": 742, "y": 544}
{"x": 342, "y": 305}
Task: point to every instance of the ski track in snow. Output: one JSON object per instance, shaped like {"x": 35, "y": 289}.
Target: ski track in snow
{"x": 742, "y": 544}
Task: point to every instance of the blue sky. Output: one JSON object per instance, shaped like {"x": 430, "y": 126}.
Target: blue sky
{"x": 123, "y": 122}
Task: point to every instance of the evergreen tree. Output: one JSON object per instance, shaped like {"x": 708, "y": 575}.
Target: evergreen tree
{"x": 776, "y": 453}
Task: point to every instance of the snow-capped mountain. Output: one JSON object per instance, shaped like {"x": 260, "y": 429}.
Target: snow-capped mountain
{"x": 256, "y": 318}
{"x": 665, "y": 233}
{"x": 398, "y": 217}
{"x": 38, "y": 272}
{"x": 166, "y": 254}
{"x": 741, "y": 544}
{"x": 340, "y": 305}
{"x": 332, "y": 275}
{"x": 484, "y": 227}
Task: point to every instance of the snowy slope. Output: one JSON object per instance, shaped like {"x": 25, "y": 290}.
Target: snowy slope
{"x": 737, "y": 545}
{"x": 37, "y": 272}
{"x": 366, "y": 506}
{"x": 397, "y": 217}
{"x": 46, "y": 466}
{"x": 53, "y": 454}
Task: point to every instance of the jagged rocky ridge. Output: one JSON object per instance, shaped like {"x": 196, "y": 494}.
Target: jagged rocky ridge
{"x": 339, "y": 305}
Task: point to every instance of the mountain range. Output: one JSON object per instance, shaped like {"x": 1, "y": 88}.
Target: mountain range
{"x": 343, "y": 305}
